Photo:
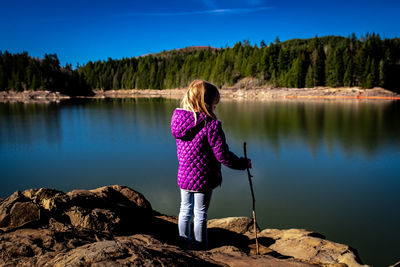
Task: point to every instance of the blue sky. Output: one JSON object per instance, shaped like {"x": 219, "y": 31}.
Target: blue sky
{"x": 79, "y": 31}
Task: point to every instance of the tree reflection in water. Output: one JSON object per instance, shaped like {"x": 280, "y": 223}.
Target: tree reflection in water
{"x": 330, "y": 166}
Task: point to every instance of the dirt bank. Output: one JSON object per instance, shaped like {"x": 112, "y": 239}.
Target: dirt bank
{"x": 30, "y": 96}
{"x": 260, "y": 93}
{"x": 233, "y": 93}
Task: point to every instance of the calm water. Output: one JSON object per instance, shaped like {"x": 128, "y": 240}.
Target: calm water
{"x": 332, "y": 167}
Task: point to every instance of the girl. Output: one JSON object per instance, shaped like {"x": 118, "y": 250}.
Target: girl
{"x": 201, "y": 148}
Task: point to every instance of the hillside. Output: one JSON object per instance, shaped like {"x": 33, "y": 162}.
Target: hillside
{"x": 329, "y": 61}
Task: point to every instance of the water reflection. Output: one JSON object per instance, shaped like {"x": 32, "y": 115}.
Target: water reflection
{"x": 24, "y": 125}
{"x": 354, "y": 126}
{"x": 84, "y": 143}
{"x": 329, "y": 166}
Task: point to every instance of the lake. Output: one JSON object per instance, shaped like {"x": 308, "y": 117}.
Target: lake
{"x": 329, "y": 166}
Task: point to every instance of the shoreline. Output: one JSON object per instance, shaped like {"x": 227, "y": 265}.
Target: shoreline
{"x": 231, "y": 93}
{"x": 30, "y": 96}
{"x": 261, "y": 93}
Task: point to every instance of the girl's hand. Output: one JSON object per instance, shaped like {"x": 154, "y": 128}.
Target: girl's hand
{"x": 249, "y": 163}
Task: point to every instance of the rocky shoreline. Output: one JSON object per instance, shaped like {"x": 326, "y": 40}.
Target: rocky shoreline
{"x": 115, "y": 225}
{"x": 30, "y": 96}
{"x": 227, "y": 93}
{"x": 262, "y": 93}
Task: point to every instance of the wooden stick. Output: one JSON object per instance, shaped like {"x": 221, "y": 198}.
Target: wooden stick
{"x": 254, "y": 200}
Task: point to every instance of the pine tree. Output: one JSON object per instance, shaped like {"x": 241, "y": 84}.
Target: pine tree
{"x": 382, "y": 73}
{"x": 372, "y": 79}
{"x": 283, "y": 60}
{"x": 334, "y": 68}
{"x": 348, "y": 76}
{"x": 310, "y": 77}
{"x": 296, "y": 73}
{"x": 274, "y": 81}
{"x": 3, "y": 80}
{"x": 318, "y": 62}
{"x": 332, "y": 61}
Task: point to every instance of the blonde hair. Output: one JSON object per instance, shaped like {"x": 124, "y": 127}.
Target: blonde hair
{"x": 200, "y": 97}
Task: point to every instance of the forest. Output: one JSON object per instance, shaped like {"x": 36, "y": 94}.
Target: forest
{"x": 333, "y": 61}
{"x": 20, "y": 72}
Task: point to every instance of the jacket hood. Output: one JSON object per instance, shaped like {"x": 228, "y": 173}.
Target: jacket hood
{"x": 183, "y": 125}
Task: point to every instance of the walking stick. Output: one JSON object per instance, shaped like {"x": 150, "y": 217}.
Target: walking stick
{"x": 254, "y": 200}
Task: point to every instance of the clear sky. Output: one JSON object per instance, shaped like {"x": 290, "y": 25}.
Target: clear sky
{"x": 79, "y": 31}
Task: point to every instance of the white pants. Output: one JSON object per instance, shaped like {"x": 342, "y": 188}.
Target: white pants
{"x": 194, "y": 203}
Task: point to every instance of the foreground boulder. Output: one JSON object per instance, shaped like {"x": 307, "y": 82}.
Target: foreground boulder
{"x": 299, "y": 244}
{"x": 115, "y": 225}
{"x": 310, "y": 246}
{"x": 112, "y": 209}
{"x": 18, "y": 211}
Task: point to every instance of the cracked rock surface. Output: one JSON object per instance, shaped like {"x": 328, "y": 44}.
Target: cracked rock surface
{"x": 116, "y": 225}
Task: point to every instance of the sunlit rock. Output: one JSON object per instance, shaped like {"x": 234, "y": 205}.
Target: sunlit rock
{"x": 115, "y": 225}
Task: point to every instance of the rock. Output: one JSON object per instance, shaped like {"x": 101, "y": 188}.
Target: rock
{"x": 231, "y": 256}
{"x": 138, "y": 250}
{"x": 397, "y": 264}
{"x": 239, "y": 232}
{"x": 109, "y": 196}
{"x": 121, "y": 208}
{"x": 294, "y": 243}
{"x": 24, "y": 247}
{"x": 23, "y": 244}
{"x": 115, "y": 225}
{"x": 31, "y": 96}
{"x": 23, "y": 213}
{"x": 17, "y": 211}
{"x": 114, "y": 209}
{"x": 229, "y": 232}
{"x": 309, "y": 246}
{"x": 49, "y": 199}
{"x": 133, "y": 196}
{"x": 97, "y": 219}
{"x": 59, "y": 226}
{"x": 240, "y": 225}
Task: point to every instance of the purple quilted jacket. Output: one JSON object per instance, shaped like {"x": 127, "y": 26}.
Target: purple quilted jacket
{"x": 201, "y": 148}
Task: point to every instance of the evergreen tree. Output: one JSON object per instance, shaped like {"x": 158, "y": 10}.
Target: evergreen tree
{"x": 319, "y": 61}
{"x": 348, "y": 79}
{"x": 383, "y": 73}
{"x": 274, "y": 81}
{"x": 334, "y": 68}
{"x": 283, "y": 60}
{"x": 310, "y": 82}
{"x": 3, "y": 78}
